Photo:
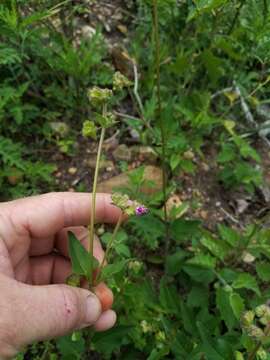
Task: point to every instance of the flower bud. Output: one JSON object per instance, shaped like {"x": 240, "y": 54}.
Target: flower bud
{"x": 247, "y": 318}
{"x": 255, "y": 332}
{"x": 120, "y": 81}
{"x": 105, "y": 121}
{"x": 89, "y": 129}
{"x": 129, "y": 207}
{"x": 98, "y": 96}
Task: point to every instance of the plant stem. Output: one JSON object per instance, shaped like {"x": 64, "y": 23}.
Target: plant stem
{"x": 161, "y": 123}
{"x": 93, "y": 197}
{"x": 236, "y": 16}
{"x": 109, "y": 246}
{"x": 252, "y": 355}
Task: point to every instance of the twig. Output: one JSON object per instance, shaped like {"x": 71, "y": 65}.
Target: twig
{"x": 135, "y": 89}
{"x": 126, "y": 116}
{"x": 220, "y": 92}
{"x": 231, "y": 217}
{"x": 248, "y": 114}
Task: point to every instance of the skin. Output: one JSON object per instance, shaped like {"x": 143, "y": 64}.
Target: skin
{"x": 34, "y": 264}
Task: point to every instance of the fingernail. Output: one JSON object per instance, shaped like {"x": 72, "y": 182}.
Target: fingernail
{"x": 93, "y": 309}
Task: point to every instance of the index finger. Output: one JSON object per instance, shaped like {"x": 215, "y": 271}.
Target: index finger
{"x": 44, "y": 215}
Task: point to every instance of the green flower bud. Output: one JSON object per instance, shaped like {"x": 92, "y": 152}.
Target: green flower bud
{"x": 120, "y": 81}
{"x": 262, "y": 310}
{"x": 73, "y": 280}
{"x": 255, "y": 332}
{"x": 160, "y": 336}
{"x": 262, "y": 354}
{"x": 247, "y": 318}
{"x": 105, "y": 121}
{"x": 98, "y": 96}
{"x": 89, "y": 129}
{"x": 129, "y": 207}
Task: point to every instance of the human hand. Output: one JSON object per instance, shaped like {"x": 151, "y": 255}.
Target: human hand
{"x": 34, "y": 255}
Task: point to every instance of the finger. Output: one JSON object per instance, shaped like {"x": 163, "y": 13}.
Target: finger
{"x": 106, "y": 321}
{"x": 33, "y": 313}
{"x": 105, "y": 296}
{"x": 82, "y": 234}
{"x": 44, "y": 215}
{"x": 49, "y": 269}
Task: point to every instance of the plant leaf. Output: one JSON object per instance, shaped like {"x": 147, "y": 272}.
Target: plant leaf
{"x": 112, "y": 269}
{"x": 80, "y": 257}
{"x": 246, "y": 281}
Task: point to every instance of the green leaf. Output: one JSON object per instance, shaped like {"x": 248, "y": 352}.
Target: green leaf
{"x": 203, "y": 260}
{"x": 215, "y": 246}
{"x": 224, "y": 307}
{"x": 175, "y": 261}
{"x": 185, "y": 229}
{"x": 169, "y": 297}
{"x": 237, "y": 304}
{"x": 263, "y": 271}
{"x": 229, "y": 235}
{"x": 208, "y": 343}
{"x": 198, "y": 297}
{"x": 246, "y": 281}
{"x": 112, "y": 269}
{"x": 174, "y": 161}
{"x": 108, "y": 341}
{"x": 80, "y": 257}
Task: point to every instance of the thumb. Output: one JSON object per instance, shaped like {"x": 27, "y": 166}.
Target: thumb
{"x": 54, "y": 310}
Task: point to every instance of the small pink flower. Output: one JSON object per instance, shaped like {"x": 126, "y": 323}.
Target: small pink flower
{"x": 141, "y": 210}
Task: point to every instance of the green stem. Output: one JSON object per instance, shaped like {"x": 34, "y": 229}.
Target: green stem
{"x": 253, "y": 354}
{"x": 109, "y": 246}
{"x": 93, "y": 197}
{"x": 161, "y": 123}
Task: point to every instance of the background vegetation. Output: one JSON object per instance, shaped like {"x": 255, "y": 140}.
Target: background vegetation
{"x": 196, "y": 275}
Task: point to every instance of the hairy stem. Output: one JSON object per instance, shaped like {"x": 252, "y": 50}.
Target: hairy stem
{"x": 160, "y": 122}
{"x": 109, "y": 246}
{"x": 253, "y": 354}
{"x": 93, "y": 197}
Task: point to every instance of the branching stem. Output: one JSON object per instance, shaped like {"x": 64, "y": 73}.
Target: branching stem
{"x": 253, "y": 354}
{"x": 93, "y": 197}
{"x": 109, "y": 246}
{"x": 160, "y": 122}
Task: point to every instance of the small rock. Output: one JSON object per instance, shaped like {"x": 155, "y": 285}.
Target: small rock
{"x": 104, "y": 164}
{"x": 122, "y": 153}
{"x": 60, "y": 128}
{"x": 72, "y": 170}
{"x": 204, "y": 214}
{"x": 144, "y": 153}
{"x": 88, "y": 31}
{"x": 122, "y": 28}
{"x": 205, "y": 167}
{"x": 247, "y": 257}
{"x": 151, "y": 173}
{"x": 71, "y": 190}
{"x": 189, "y": 155}
{"x": 242, "y": 205}
{"x": 58, "y": 174}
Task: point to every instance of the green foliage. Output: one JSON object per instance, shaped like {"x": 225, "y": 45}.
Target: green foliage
{"x": 192, "y": 301}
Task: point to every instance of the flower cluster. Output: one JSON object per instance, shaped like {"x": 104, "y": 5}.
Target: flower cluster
{"x": 120, "y": 81}
{"x": 98, "y": 96}
{"x": 89, "y": 129}
{"x": 129, "y": 207}
{"x": 253, "y": 322}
